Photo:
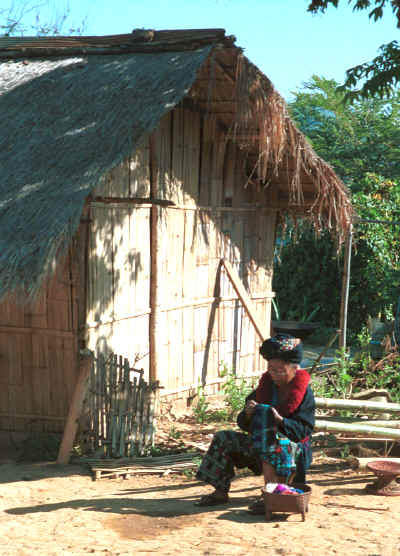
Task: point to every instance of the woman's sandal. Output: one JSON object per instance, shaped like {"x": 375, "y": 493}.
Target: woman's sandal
{"x": 212, "y": 500}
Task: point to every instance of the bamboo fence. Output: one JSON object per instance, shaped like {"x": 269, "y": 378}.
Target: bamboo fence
{"x": 121, "y": 407}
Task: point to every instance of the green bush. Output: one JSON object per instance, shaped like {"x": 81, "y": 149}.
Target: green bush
{"x": 235, "y": 390}
{"x": 39, "y": 446}
{"x": 200, "y": 409}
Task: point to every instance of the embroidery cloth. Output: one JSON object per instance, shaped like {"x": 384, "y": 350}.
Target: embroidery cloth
{"x": 272, "y": 446}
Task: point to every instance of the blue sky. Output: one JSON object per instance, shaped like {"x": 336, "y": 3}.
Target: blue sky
{"x": 285, "y": 41}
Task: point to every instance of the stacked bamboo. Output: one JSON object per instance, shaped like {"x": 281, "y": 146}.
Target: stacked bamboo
{"x": 122, "y": 408}
{"x": 163, "y": 465}
{"x": 374, "y": 428}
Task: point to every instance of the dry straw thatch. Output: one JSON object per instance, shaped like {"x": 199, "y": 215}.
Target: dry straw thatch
{"x": 280, "y": 144}
{"x": 72, "y": 108}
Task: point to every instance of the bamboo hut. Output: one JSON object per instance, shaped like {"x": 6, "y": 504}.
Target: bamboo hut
{"x": 130, "y": 166}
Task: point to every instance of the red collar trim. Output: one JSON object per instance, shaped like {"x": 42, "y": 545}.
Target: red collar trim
{"x": 298, "y": 388}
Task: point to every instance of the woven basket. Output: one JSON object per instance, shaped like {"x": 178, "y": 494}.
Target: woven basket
{"x": 287, "y": 503}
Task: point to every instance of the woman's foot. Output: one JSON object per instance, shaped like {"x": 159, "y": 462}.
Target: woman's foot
{"x": 214, "y": 499}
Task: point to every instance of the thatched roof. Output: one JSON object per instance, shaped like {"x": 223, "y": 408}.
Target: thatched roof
{"x": 72, "y": 108}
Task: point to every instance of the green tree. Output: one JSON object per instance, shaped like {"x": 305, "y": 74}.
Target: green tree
{"x": 361, "y": 142}
{"x": 354, "y": 139}
{"x": 380, "y": 76}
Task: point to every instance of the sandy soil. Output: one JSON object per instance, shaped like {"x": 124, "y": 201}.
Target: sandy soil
{"x": 55, "y": 510}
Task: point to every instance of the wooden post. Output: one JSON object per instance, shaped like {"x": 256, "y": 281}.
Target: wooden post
{"x": 345, "y": 289}
{"x": 71, "y": 425}
{"x": 244, "y": 298}
{"x": 155, "y": 254}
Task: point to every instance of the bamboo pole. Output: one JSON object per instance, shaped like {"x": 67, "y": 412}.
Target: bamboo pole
{"x": 345, "y": 289}
{"x": 367, "y": 430}
{"x": 362, "y": 405}
{"x": 155, "y": 257}
{"x": 71, "y": 425}
{"x": 395, "y": 423}
{"x": 361, "y": 463}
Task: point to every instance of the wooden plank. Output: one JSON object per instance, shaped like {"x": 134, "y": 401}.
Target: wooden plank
{"x": 141, "y": 260}
{"x": 139, "y": 166}
{"x": 11, "y": 313}
{"x": 244, "y": 298}
{"x": 178, "y": 150}
{"x": 217, "y": 179}
{"x": 191, "y": 156}
{"x": 100, "y": 271}
{"x": 35, "y": 314}
{"x": 116, "y": 182}
{"x": 189, "y": 255}
{"x": 75, "y": 409}
{"x": 11, "y": 330}
{"x": 229, "y": 174}
{"x": 206, "y": 163}
{"x": 167, "y": 182}
{"x": 124, "y": 262}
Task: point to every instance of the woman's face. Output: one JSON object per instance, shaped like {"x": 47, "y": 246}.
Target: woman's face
{"x": 281, "y": 372}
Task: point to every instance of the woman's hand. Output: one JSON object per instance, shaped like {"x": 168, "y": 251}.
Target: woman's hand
{"x": 278, "y": 417}
{"x": 250, "y": 407}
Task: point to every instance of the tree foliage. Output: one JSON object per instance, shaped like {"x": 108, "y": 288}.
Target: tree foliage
{"x": 361, "y": 142}
{"x": 380, "y": 76}
{"x": 355, "y": 139}
{"x": 39, "y": 19}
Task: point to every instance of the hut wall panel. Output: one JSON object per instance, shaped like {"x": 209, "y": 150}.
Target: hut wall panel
{"x": 177, "y": 156}
{"x": 206, "y": 162}
{"x": 36, "y": 314}
{"x": 131, "y": 178}
{"x": 139, "y": 172}
{"x": 119, "y": 278}
{"x": 229, "y": 174}
{"x": 174, "y": 324}
{"x": 187, "y": 345}
{"x": 189, "y": 255}
{"x": 124, "y": 262}
{"x": 202, "y": 237}
{"x": 38, "y": 385}
{"x": 174, "y": 240}
{"x": 197, "y": 333}
{"x": 217, "y": 169}
{"x": 141, "y": 248}
{"x": 100, "y": 270}
{"x": 130, "y": 261}
{"x": 116, "y": 182}
{"x": 225, "y": 334}
{"x": 191, "y": 156}
{"x": 11, "y": 314}
{"x": 62, "y": 313}
{"x": 167, "y": 183}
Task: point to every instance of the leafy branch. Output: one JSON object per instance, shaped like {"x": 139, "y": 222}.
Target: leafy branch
{"x": 380, "y": 76}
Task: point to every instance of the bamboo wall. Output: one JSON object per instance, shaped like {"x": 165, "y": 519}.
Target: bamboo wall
{"x": 118, "y": 277}
{"x": 38, "y": 356}
{"x": 102, "y": 299}
{"x": 189, "y": 162}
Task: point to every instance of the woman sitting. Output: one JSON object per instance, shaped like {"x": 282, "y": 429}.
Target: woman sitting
{"x": 279, "y": 418}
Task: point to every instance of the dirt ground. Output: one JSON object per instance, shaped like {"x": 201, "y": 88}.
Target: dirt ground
{"x": 51, "y": 510}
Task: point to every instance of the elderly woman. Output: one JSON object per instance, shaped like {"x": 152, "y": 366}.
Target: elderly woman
{"x": 278, "y": 419}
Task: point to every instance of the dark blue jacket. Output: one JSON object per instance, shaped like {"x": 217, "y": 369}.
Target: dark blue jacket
{"x": 298, "y": 427}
